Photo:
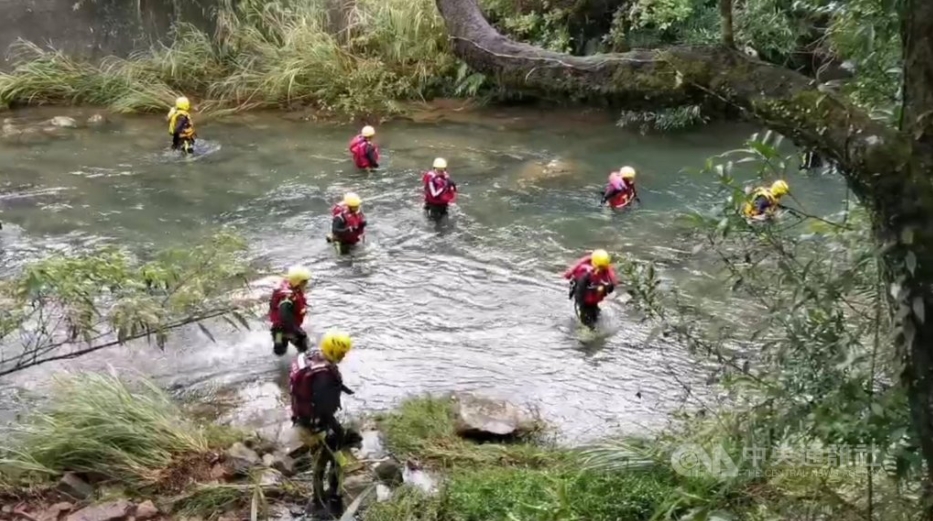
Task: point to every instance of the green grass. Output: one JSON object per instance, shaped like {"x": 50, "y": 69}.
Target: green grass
{"x": 101, "y": 425}
{"x": 208, "y": 502}
{"x": 264, "y": 54}
{"x": 527, "y": 480}
{"x": 424, "y": 428}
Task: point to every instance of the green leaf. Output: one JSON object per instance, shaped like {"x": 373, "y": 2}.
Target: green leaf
{"x": 206, "y": 331}
{"x": 918, "y": 308}
{"x": 877, "y": 409}
{"x": 911, "y": 262}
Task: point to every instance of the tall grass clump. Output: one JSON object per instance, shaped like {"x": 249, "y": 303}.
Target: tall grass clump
{"x": 100, "y": 425}
{"x": 359, "y": 58}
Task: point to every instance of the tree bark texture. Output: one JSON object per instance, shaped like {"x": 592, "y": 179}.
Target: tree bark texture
{"x": 889, "y": 170}
{"x": 725, "y": 21}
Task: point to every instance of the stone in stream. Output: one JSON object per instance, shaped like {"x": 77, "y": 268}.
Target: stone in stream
{"x": 270, "y": 477}
{"x": 484, "y": 418}
{"x": 111, "y": 511}
{"x": 63, "y": 122}
{"x": 74, "y": 486}
{"x": 96, "y": 119}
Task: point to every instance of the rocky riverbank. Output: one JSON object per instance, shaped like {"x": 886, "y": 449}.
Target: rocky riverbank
{"x": 266, "y": 474}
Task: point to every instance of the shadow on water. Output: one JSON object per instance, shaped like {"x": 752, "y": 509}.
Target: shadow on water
{"x": 477, "y": 303}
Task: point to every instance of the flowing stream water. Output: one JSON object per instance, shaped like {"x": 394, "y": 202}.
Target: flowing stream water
{"x": 479, "y": 305}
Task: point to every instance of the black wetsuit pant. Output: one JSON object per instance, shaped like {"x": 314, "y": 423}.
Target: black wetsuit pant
{"x": 587, "y": 313}
{"x": 186, "y": 145}
{"x": 281, "y": 339}
{"x": 436, "y": 211}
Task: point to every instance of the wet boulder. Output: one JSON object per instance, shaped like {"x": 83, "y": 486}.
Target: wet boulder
{"x": 484, "y": 419}
{"x": 110, "y": 511}
{"x": 96, "y": 120}
{"x": 63, "y": 122}
{"x": 389, "y": 471}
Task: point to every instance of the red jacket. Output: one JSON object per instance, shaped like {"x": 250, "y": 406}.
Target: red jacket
{"x": 348, "y": 226}
{"x": 303, "y": 370}
{"x": 358, "y": 149}
{"x": 619, "y": 191}
{"x": 283, "y": 292}
{"x": 584, "y": 271}
{"x": 439, "y": 188}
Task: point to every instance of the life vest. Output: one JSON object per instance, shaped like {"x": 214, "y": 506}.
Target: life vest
{"x": 358, "y": 151}
{"x": 283, "y": 292}
{"x": 595, "y": 280}
{"x": 354, "y": 220}
{"x": 749, "y": 208}
{"x": 616, "y": 182}
{"x": 300, "y": 383}
{"x": 188, "y": 131}
{"x": 446, "y": 191}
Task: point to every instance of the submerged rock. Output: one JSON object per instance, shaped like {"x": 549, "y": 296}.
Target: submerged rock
{"x": 484, "y": 418}
{"x": 96, "y": 119}
{"x": 112, "y": 511}
{"x": 63, "y": 122}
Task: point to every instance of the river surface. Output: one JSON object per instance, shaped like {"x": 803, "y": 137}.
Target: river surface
{"x": 478, "y": 305}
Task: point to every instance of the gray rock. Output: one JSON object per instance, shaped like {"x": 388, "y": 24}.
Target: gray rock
{"x": 372, "y": 446}
{"x": 54, "y": 512}
{"x": 146, "y": 510}
{"x": 111, "y": 511}
{"x": 280, "y": 462}
{"x": 479, "y": 417}
{"x": 383, "y": 493}
{"x": 389, "y": 471}
{"x": 73, "y": 486}
{"x": 417, "y": 477}
{"x": 270, "y": 477}
{"x": 63, "y": 122}
{"x": 240, "y": 458}
{"x": 97, "y": 119}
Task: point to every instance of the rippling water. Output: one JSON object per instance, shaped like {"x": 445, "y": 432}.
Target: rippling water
{"x": 478, "y": 305}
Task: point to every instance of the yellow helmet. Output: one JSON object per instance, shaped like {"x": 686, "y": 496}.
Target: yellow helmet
{"x": 298, "y": 275}
{"x": 627, "y": 172}
{"x": 182, "y": 103}
{"x": 352, "y": 200}
{"x": 440, "y": 163}
{"x": 600, "y": 259}
{"x": 368, "y": 131}
{"x": 779, "y": 188}
{"x": 335, "y": 345}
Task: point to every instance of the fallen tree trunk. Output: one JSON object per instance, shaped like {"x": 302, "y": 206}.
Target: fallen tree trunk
{"x": 890, "y": 171}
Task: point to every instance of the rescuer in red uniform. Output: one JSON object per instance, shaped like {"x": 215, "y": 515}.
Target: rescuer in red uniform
{"x": 440, "y": 191}
{"x": 365, "y": 153}
{"x": 591, "y": 279}
{"x": 287, "y": 309}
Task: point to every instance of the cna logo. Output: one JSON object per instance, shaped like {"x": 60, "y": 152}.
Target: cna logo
{"x": 694, "y": 460}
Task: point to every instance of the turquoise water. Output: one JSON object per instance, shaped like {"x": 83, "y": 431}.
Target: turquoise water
{"x": 479, "y": 305}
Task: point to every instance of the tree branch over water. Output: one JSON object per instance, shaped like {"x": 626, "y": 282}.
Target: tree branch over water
{"x": 887, "y": 169}
{"x": 65, "y": 307}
